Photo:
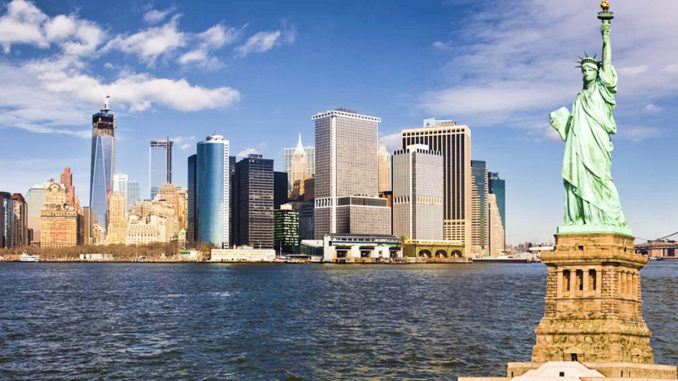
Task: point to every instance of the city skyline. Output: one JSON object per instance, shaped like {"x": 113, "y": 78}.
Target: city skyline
{"x": 508, "y": 133}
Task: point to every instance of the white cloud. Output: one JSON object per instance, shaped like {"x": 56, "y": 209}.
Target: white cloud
{"x": 155, "y": 16}
{"x": 219, "y": 35}
{"x": 636, "y": 133}
{"x": 213, "y": 38}
{"x": 632, "y": 70}
{"x": 22, "y": 24}
{"x": 151, "y": 43}
{"x": 442, "y": 45}
{"x": 248, "y": 151}
{"x": 26, "y": 24}
{"x": 392, "y": 141}
{"x": 652, "y": 109}
{"x": 259, "y": 43}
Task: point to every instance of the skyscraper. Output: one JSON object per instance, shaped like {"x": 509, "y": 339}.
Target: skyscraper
{"x": 384, "y": 168}
{"x": 192, "y": 230}
{"x": 286, "y": 234}
{"x": 35, "y": 198}
{"x": 58, "y": 220}
{"x": 6, "y": 220}
{"x": 279, "y": 189}
{"x": 255, "y": 194}
{"x": 454, "y": 142}
{"x": 495, "y": 227}
{"x": 346, "y": 184}
{"x": 133, "y": 194}
{"x": 299, "y": 164}
{"x": 117, "y": 219}
{"x": 418, "y": 193}
{"x": 159, "y": 164}
{"x": 102, "y": 166}
{"x": 121, "y": 185}
{"x": 67, "y": 180}
{"x": 211, "y": 192}
{"x": 479, "y": 209}
{"x": 497, "y": 187}
{"x": 288, "y": 156}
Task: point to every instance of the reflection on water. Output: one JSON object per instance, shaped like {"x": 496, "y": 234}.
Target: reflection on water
{"x": 145, "y": 321}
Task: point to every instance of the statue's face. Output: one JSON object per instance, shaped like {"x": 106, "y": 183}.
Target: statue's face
{"x": 590, "y": 73}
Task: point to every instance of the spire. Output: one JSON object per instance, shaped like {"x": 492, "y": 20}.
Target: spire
{"x": 300, "y": 147}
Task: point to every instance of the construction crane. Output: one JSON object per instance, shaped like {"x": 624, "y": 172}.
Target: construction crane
{"x": 106, "y": 97}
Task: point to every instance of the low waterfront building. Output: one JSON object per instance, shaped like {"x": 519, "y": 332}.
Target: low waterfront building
{"x": 342, "y": 248}
{"x": 661, "y": 248}
{"x": 433, "y": 250}
{"x": 244, "y": 254}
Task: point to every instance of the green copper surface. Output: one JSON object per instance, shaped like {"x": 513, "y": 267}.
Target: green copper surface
{"x": 591, "y": 199}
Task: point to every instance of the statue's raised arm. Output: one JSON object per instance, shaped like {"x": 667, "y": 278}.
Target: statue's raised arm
{"x": 607, "y": 50}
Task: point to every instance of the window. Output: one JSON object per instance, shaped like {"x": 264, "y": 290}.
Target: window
{"x": 566, "y": 280}
{"x": 592, "y": 280}
{"x": 580, "y": 279}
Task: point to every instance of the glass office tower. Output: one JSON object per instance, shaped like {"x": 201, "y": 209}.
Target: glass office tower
{"x": 102, "y": 166}
{"x": 159, "y": 164}
{"x": 212, "y": 177}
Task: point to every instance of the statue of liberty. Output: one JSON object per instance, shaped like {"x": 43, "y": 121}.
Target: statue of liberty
{"x": 591, "y": 199}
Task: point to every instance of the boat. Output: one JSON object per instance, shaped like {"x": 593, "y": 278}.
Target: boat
{"x": 502, "y": 259}
{"x": 29, "y": 258}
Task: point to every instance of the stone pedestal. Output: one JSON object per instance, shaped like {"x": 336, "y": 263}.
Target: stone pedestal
{"x": 593, "y": 302}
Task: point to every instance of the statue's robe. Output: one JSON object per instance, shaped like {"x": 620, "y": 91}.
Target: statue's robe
{"x": 590, "y": 195}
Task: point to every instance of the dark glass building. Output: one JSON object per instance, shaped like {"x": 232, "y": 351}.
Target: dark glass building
{"x": 480, "y": 221}
{"x": 286, "y": 231}
{"x": 497, "y": 187}
{"x": 255, "y": 198}
{"x": 209, "y": 192}
{"x": 279, "y": 189}
{"x": 102, "y": 166}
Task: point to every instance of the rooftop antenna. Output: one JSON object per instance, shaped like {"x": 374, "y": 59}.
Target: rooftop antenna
{"x": 106, "y": 98}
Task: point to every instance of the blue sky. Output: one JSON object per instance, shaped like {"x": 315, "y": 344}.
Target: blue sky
{"x": 255, "y": 72}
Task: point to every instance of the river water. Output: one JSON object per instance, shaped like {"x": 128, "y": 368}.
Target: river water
{"x": 311, "y": 322}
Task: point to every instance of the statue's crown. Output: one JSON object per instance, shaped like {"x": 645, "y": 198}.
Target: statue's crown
{"x": 588, "y": 60}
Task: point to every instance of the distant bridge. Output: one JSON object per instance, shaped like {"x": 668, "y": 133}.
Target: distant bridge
{"x": 660, "y": 247}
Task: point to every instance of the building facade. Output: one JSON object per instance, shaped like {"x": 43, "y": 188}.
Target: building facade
{"x": 102, "y": 166}
{"x": 255, "y": 201}
{"x": 346, "y": 181}
{"x": 418, "y": 193}
{"x": 454, "y": 142}
{"x": 159, "y": 164}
